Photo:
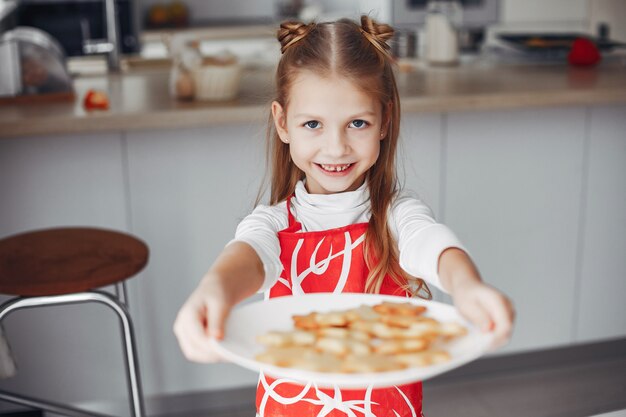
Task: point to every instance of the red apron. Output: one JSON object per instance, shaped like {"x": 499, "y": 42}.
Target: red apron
{"x": 329, "y": 261}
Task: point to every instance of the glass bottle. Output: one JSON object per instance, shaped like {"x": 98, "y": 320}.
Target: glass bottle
{"x": 443, "y": 21}
{"x": 185, "y": 59}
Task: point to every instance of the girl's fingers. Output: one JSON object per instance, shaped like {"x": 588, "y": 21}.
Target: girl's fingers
{"x": 478, "y": 316}
{"x": 489, "y": 310}
{"x": 502, "y": 314}
{"x": 202, "y": 352}
{"x": 190, "y": 330}
{"x": 218, "y": 312}
{"x": 195, "y": 350}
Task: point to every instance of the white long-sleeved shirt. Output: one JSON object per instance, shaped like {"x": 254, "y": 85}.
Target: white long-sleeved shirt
{"x": 421, "y": 240}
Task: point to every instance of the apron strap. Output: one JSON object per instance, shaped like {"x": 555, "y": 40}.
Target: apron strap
{"x": 292, "y": 219}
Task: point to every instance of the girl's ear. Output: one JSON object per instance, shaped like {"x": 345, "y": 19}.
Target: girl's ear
{"x": 384, "y": 128}
{"x": 280, "y": 121}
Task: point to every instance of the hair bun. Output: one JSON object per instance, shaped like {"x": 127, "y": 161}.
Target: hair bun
{"x": 291, "y": 32}
{"x": 377, "y": 33}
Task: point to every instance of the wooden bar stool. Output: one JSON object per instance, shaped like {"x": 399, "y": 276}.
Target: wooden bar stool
{"x": 64, "y": 266}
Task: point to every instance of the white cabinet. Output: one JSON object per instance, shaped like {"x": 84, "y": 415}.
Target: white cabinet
{"x": 61, "y": 181}
{"x": 420, "y": 164}
{"x": 512, "y": 193}
{"x": 602, "y": 259}
{"x": 189, "y": 190}
{"x": 419, "y": 157}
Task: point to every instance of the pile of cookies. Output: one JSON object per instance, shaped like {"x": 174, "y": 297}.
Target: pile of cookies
{"x": 371, "y": 338}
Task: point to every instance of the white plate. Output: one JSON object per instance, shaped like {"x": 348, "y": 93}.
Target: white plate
{"x": 249, "y": 320}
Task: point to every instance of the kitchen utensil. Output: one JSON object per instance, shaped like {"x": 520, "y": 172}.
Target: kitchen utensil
{"x": 217, "y": 77}
{"x": 33, "y": 63}
{"x": 552, "y": 45}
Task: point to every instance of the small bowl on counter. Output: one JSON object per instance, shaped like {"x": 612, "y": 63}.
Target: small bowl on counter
{"x": 204, "y": 78}
{"x": 217, "y": 78}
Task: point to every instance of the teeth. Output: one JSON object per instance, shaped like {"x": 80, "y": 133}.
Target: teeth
{"x": 335, "y": 168}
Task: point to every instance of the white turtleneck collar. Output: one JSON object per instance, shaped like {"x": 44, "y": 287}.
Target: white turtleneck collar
{"x": 316, "y": 211}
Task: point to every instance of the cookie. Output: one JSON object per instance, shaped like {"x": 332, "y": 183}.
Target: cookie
{"x": 398, "y": 321}
{"x": 342, "y": 346}
{"x": 377, "y": 329}
{"x": 283, "y": 356}
{"x": 401, "y": 309}
{"x": 344, "y": 333}
{"x": 332, "y": 319}
{"x": 287, "y": 338}
{"x": 306, "y": 322}
{"x": 318, "y": 362}
{"x": 421, "y": 329}
{"x": 362, "y": 313}
{"x": 452, "y": 330}
{"x": 300, "y": 358}
{"x": 395, "y": 346}
{"x": 371, "y": 363}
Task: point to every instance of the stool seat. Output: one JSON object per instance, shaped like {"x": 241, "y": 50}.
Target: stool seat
{"x": 68, "y": 260}
{"x": 61, "y": 266}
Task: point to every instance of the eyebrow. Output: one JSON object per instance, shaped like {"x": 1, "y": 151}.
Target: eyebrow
{"x": 311, "y": 116}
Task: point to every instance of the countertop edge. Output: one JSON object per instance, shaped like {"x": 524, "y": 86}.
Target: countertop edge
{"x": 502, "y": 101}
{"x": 206, "y": 117}
{"x": 110, "y": 122}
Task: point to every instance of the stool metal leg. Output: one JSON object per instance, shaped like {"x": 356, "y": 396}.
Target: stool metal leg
{"x": 121, "y": 293}
{"x": 130, "y": 352}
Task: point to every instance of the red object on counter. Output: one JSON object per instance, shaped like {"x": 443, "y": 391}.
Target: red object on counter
{"x": 96, "y": 100}
{"x": 583, "y": 53}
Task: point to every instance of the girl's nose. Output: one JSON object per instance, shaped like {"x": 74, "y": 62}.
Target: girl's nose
{"x": 337, "y": 145}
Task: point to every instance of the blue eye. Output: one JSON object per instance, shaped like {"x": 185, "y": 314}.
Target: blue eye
{"x": 312, "y": 124}
{"x": 358, "y": 123}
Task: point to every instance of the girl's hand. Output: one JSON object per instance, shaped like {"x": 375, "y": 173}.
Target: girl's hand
{"x": 201, "y": 318}
{"x": 486, "y": 308}
{"x": 236, "y": 274}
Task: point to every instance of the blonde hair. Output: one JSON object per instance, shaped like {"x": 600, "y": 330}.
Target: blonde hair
{"x": 361, "y": 55}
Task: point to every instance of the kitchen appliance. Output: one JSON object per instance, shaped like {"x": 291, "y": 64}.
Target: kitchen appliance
{"x": 410, "y": 16}
{"x": 554, "y": 45}
{"x": 538, "y": 46}
{"x": 7, "y": 15}
{"x": 77, "y": 24}
{"x": 32, "y": 63}
{"x": 442, "y": 32}
{"x": 413, "y": 13}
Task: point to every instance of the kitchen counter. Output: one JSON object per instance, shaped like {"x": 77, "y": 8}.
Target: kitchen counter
{"x": 215, "y": 30}
{"x": 139, "y": 98}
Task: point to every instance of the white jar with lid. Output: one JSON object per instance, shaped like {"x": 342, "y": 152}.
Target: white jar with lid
{"x": 218, "y": 77}
{"x": 443, "y": 20}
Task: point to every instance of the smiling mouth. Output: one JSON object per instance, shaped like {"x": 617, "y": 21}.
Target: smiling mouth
{"x": 335, "y": 167}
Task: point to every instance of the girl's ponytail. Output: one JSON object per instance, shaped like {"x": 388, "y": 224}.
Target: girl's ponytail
{"x": 292, "y": 32}
{"x": 377, "y": 34}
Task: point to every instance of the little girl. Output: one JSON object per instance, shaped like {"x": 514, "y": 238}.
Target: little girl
{"x": 335, "y": 202}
